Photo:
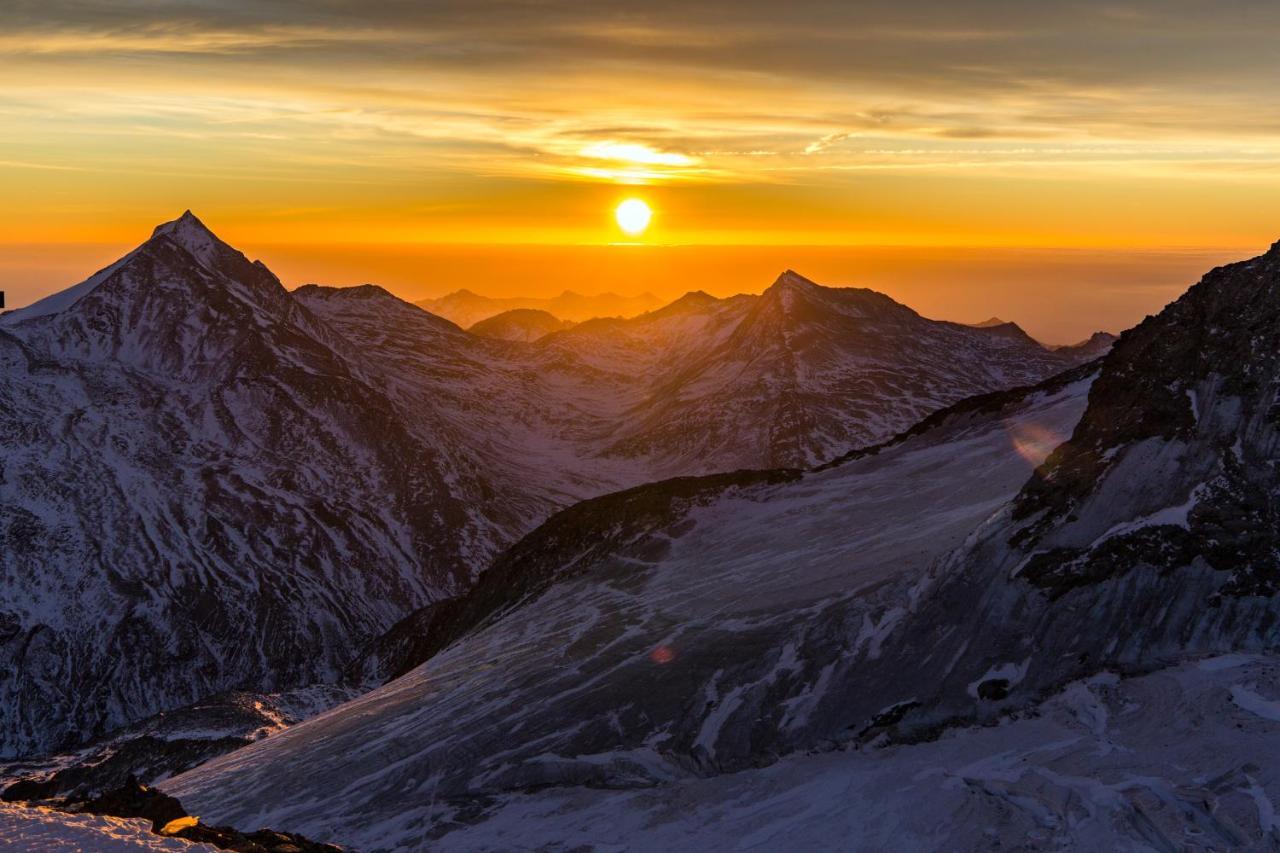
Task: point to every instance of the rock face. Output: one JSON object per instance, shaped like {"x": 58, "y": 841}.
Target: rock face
{"x": 1155, "y": 525}
{"x": 202, "y": 486}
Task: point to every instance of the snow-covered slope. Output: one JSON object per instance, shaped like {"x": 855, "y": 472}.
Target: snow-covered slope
{"x": 789, "y": 378}
{"x": 32, "y": 829}
{"x": 678, "y": 629}
{"x": 167, "y": 743}
{"x": 807, "y": 372}
{"x": 1149, "y": 536}
{"x": 203, "y": 487}
{"x": 520, "y": 324}
{"x": 654, "y": 638}
{"x": 1169, "y": 761}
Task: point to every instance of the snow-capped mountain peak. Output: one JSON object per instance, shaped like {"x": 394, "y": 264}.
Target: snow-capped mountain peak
{"x": 176, "y": 306}
{"x": 189, "y": 232}
{"x": 792, "y": 279}
{"x": 195, "y": 238}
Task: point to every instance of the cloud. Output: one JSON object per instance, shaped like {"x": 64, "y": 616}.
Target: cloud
{"x": 825, "y": 142}
{"x": 635, "y": 152}
{"x": 717, "y": 92}
{"x": 179, "y": 39}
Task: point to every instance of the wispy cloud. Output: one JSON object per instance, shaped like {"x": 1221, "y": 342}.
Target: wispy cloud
{"x": 825, "y": 142}
{"x": 454, "y": 98}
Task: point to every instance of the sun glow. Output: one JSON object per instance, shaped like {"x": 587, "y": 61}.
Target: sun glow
{"x": 633, "y": 216}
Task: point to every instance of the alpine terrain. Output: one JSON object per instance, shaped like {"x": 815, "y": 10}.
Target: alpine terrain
{"x": 1087, "y": 564}
{"x": 210, "y": 483}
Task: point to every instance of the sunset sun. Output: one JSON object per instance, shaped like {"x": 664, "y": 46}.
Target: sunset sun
{"x": 633, "y": 216}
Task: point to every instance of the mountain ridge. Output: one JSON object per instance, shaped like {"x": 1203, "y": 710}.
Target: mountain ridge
{"x": 1082, "y": 542}
{"x": 253, "y": 483}
{"x": 466, "y": 307}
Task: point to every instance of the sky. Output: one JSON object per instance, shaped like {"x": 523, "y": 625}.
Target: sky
{"x": 1077, "y": 164}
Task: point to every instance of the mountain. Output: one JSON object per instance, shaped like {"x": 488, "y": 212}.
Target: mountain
{"x": 1161, "y": 503}
{"x": 792, "y": 377}
{"x": 1085, "y": 570}
{"x": 1095, "y": 346}
{"x": 467, "y": 308}
{"x": 211, "y": 483}
{"x": 678, "y": 629}
{"x": 805, "y": 372}
{"x": 1098, "y": 344}
{"x": 203, "y": 486}
{"x": 520, "y": 324}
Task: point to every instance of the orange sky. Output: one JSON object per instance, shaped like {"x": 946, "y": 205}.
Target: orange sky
{"x": 345, "y": 142}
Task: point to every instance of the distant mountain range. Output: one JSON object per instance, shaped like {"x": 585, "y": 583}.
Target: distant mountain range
{"x": 466, "y": 308}
{"x": 520, "y": 324}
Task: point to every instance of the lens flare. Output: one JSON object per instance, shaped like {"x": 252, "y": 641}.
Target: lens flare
{"x": 662, "y": 654}
{"x": 1033, "y": 442}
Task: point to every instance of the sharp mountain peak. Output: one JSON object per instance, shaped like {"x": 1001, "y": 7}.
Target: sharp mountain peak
{"x": 191, "y": 234}
{"x": 792, "y": 279}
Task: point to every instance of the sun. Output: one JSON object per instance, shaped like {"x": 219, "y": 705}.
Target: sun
{"x": 633, "y": 216}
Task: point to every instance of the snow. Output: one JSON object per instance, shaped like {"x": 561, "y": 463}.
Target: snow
{"x": 218, "y": 484}
{"x": 763, "y": 632}
{"x": 1226, "y": 661}
{"x": 41, "y": 830}
{"x": 198, "y": 441}
{"x": 1013, "y": 673}
{"x": 63, "y": 299}
{"x": 1175, "y": 515}
{"x": 1159, "y": 765}
{"x": 1250, "y": 701}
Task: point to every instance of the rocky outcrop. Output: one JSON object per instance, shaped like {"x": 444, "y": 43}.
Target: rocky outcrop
{"x": 168, "y": 818}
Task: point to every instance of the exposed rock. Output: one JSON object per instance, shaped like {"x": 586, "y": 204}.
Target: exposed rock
{"x": 132, "y": 799}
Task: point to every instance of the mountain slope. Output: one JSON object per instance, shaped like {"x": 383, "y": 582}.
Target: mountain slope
{"x": 682, "y": 627}
{"x": 809, "y": 372}
{"x": 689, "y": 629}
{"x": 202, "y": 488}
{"x": 520, "y": 324}
{"x": 1167, "y": 761}
{"x": 789, "y": 378}
{"x": 1155, "y": 524}
{"x": 1097, "y": 345}
{"x": 211, "y": 483}
{"x": 466, "y": 308}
